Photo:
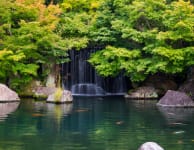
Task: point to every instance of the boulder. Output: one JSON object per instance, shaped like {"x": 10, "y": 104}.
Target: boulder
{"x": 150, "y": 146}
{"x": 7, "y": 95}
{"x": 66, "y": 97}
{"x": 36, "y": 90}
{"x": 176, "y": 99}
{"x": 145, "y": 92}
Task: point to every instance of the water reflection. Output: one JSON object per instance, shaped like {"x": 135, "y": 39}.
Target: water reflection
{"x": 7, "y": 108}
{"x": 95, "y": 124}
{"x": 59, "y": 110}
{"x": 142, "y": 104}
{"x": 54, "y": 110}
{"x": 175, "y": 115}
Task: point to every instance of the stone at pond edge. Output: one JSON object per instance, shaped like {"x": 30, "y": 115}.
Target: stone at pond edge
{"x": 43, "y": 92}
{"x": 175, "y": 99}
{"x": 7, "y": 95}
{"x": 144, "y": 92}
{"x": 65, "y": 98}
{"x": 36, "y": 90}
{"x": 150, "y": 146}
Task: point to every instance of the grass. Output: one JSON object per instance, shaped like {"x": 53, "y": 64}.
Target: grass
{"x": 58, "y": 94}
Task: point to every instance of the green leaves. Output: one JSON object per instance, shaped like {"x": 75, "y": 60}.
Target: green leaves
{"x": 162, "y": 33}
{"x": 26, "y": 69}
{"x": 28, "y": 39}
{"x": 140, "y": 37}
{"x": 112, "y": 60}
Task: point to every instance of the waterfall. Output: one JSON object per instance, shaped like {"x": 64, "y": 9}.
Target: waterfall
{"x": 81, "y": 78}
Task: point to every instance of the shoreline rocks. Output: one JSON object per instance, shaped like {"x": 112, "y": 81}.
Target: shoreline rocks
{"x": 144, "y": 92}
{"x": 65, "y": 97}
{"x": 8, "y": 95}
{"x": 161, "y": 83}
{"x": 175, "y": 99}
{"x": 43, "y": 92}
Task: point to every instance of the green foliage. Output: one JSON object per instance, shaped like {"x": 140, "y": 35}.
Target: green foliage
{"x": 112, "y": 60}
{"x": 80, "y": 5}
{"x": 163, "y": 35}
{"x": 140, "y": 37}
{"x": 58, "y": 94}
{"x": 28, "y": 39}
{"x": 76, "y": 21}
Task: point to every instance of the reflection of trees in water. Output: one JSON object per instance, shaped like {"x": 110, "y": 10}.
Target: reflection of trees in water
{"x": 88, "y": 124}
{"x": 80, "y": 117}
{"x": 142, "y": 104}
{"x": 52, "y": 115}
{"x": 7, "y": 108}
{"x": 53, "y": 110}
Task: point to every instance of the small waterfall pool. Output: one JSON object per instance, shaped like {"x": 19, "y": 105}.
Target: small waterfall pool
{"x": 91, "y": 90}
{"x": 81, "y": 78}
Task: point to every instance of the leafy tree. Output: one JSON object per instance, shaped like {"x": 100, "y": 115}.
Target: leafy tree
{"x": 160, "y": 33}
{"x": 28, "y": 40}
{"x": 76, "y": 21}
{"x": 140, "y": 37}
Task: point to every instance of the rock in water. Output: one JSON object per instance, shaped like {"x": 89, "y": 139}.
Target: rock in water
{"x": 66, "y": 97}
{"x": 176, "y": 99}
{"x": 7, "y": 95}
{"x": 150, "y": 146}
{"x": 143, "y": 93}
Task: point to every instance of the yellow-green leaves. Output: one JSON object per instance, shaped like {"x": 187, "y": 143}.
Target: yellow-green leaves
{"x": 80, "y": 5}
{"x": 8, "y": 55}
{"x": 4, "y": 54}
{"x": 174, "y": 55}
{"x": 112, "y": 60}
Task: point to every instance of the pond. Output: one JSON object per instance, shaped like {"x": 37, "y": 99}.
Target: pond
{"x": 94, "y": 124}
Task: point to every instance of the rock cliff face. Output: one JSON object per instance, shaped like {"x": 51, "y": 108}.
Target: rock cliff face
{"x": 7, "y": 95}
{"x": 161, "y": 84}
{"x": 176, "y": 99}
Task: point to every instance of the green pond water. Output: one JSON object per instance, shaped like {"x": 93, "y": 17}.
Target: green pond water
{"x": 94, "y": 124}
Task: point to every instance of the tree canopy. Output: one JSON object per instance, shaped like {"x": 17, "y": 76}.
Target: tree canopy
{"x": 150, "y": 37}
{"x": 140, "y": 37}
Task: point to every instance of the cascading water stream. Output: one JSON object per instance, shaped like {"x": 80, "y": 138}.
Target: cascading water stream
{"x": 81, "y": 78}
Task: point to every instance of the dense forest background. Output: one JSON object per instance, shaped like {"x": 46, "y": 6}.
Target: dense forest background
{"x": 137, "y": 37}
